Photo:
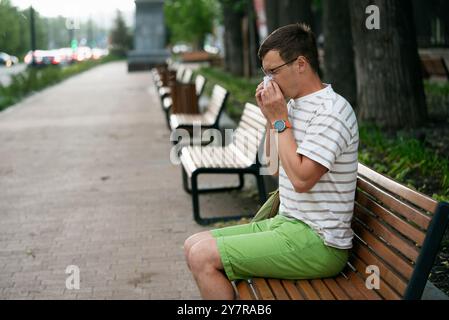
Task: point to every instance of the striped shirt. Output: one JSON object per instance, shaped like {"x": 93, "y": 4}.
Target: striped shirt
{"x": 326, "y": 131}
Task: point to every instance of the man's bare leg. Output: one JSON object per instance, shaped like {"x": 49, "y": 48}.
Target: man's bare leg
{"x": 207, "y": 269}
{"x": 194, "y": 239}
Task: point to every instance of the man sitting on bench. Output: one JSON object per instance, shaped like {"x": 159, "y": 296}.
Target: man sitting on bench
{"x": 317, "y": 142}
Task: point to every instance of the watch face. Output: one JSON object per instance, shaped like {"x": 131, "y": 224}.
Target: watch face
{"x": 279, "y": 125}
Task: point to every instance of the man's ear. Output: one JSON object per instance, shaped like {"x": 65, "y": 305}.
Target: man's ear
{"x": 302, "y": 63}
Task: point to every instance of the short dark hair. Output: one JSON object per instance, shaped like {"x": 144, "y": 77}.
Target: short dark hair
{"x": 292, "y": 41}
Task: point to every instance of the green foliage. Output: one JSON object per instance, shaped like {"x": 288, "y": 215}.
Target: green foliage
{"x": 406, "y": 160}
{"x": 15, "y": 29}
{"x": 121, "y": 40}
{"x": 437, "y": 95}
{"x": 33, "y": 79}
{"x": 190, "y": 20}
{"x": 241, "y": 89}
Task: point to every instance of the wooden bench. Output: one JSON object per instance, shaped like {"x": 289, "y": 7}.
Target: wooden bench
{"x": 197, "y": 88}
{"x": 396, "y": 229}
{"x": 209, "y": 118}
{"x": 434, "y": 67}
{"x": 238, "y": 157}
{"x": 183, "y": 75}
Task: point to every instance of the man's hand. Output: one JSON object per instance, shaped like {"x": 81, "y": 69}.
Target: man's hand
{"x": 272, "y": 102}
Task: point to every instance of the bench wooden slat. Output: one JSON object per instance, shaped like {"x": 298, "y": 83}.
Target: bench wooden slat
{"x": 386, "y": 215}
{"x": 307, "y": 290}
{"x": 335, "y": 289}
{"x": 292, "y": 290}
{"x": 200, "y": 83}
{"x": 408, "y": 249}
{"x": 253, "y": 120}
{"x": 167, "y": 102}
{"x": 349, "y": 288}
{"x": 362, "y": 252}
{"x": 386, "y": 286}
{"x": 412, "y": 196}
{"x": 246, "y": 129}
{"x": 240, "y": 159}
{"x": 360, "y": 285}
{"x": 263, "y": 289}
{"x": 394, "y": 260}
{"x": 394, "y": 204}
{"x": 323, "y": 291}
{"x": 278, "y": 290}
{"x": 187, "y": 162}
{"x": 241, "y": 155}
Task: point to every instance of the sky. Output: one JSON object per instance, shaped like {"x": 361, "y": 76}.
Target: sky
{"x": 101, "y": 11}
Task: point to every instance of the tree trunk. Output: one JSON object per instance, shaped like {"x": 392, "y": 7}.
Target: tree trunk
{"x": 389, "y": 84}
{"x": 271, "y": 11}
{"x": 233, "y": 37}
{"x": 339, "y": 67}
{"x": 293, "y": 11}
{"x": 253, "y": 40}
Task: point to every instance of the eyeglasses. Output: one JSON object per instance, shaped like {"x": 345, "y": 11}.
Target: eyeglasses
{"x": 271, "y": 72}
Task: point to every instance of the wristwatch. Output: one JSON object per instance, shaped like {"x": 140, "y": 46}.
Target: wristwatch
{"x": 281, "y": 125}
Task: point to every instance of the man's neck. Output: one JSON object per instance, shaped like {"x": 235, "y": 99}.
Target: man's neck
{"x": 310, "y": 86}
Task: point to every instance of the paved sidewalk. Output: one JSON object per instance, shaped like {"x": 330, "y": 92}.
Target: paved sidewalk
{"x": 85, "y": 179}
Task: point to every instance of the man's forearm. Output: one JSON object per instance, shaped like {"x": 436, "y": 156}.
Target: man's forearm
{"x": 271, "y": 148}
{"x": 292, "y": 161}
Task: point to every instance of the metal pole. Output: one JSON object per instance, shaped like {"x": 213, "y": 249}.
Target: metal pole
{"x": 33, "y": 36}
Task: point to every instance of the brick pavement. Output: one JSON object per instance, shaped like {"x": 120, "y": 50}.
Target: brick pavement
{"x": 85, "y": 179}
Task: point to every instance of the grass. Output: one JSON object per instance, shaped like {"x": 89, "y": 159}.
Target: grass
{"x": 401, "y": 157}
{"x": 406, "y": 160}
{"x": 35, "y": 79}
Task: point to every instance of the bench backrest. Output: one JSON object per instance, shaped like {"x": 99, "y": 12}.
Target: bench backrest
{"x": 200, "y": 84}
{"x": 180, "y": 73}
{"x": 250, "y": 132}
{"x": 432, "y": 66}
{"x": 393, "y": 229}
{"x": 216, "y": 104}
{"x": 187, "y": 77}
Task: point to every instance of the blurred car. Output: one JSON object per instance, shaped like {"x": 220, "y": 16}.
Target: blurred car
{"x": 67, "y": 55}
{"x": 6, "y": 59}
{"x": 43, "y": 57}
{"x": 83, "y": 53}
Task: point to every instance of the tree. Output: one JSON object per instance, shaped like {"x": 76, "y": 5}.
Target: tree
{"x": 339, "y": 54}
{"x": 121, "y": 40}
{"x": 233, "y": 13}
{"x": 282, "y": 12}
{"x": 190, "y": 20}
{"x": 389, "y": 83}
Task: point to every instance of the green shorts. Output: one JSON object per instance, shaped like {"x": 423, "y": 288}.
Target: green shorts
{"x": 280, "y": 247}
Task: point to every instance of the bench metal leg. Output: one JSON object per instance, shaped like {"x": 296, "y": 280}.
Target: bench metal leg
{"x": 167, "y": 117}
{"x": 194, "y": 191}
{"x": 185, "y": 181}
{"x": 185, "y": 184}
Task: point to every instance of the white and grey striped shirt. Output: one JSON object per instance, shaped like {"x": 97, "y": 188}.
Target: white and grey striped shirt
{"x": 326, "y": 131}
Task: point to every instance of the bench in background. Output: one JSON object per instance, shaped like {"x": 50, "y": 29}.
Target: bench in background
{"x": 238, "y": 157}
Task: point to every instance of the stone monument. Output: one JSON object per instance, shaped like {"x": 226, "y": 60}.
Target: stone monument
{"x": 149, "y": 36}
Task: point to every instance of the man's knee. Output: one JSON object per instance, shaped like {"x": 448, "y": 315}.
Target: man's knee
{"x": 204, "y": 255}
{"x": 193, "y": 239}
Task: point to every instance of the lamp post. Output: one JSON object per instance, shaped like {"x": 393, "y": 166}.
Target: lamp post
{"x": 33, "y": 36}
